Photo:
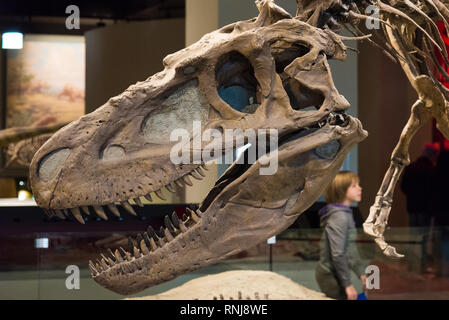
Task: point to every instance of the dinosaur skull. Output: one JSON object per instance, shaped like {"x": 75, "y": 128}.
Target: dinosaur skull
{"x": 121, "y": 151}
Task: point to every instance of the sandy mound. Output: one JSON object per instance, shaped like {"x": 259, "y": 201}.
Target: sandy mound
{"x": 239, "y": 284}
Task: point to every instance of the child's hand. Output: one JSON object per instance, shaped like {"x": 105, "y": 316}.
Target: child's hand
{"x": 363, "y": 279}
{"x": 351, "y": 293}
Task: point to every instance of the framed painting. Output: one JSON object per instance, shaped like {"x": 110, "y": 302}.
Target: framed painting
{"x": 44, "y": 85}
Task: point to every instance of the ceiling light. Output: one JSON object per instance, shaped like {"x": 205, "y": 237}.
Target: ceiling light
{"x": 12, "y": 40}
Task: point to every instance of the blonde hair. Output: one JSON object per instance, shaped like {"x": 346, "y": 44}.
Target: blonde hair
{"x": 336, "y": 192}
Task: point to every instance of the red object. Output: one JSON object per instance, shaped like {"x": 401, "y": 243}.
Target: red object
{"x": 437, "y": 136}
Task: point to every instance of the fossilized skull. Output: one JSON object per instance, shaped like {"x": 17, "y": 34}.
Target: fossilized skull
{"x": 278, "y": 67}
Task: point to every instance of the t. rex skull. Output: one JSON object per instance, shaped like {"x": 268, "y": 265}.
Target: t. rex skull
{"x": 121, "y": 151}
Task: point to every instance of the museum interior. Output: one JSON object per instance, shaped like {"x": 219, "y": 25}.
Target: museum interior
{"x": 72, "y": 65}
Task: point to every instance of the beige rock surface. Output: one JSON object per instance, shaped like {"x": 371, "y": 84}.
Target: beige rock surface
{"x": 239, "y": 284}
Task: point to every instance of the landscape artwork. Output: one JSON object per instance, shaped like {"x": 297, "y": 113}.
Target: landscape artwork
{"x": 45, "y": 82}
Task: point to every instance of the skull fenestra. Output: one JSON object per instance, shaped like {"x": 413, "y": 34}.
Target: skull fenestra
{"x": 121, "y": 151}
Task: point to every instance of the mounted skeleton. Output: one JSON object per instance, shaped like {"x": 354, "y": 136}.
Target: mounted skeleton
{"x": 407, "y": 34}
{"x": 23, "y": 142}
{"x": 121, "y": 151}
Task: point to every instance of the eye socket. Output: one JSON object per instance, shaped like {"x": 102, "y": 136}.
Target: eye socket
{"x": 301, "y": 97}
{"x": 51, "y": 164}
{"x": 236, "y": 83}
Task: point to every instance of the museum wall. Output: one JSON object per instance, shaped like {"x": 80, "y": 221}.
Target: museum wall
{"x": 385, "y": 98}
{"x": 119, "y": 55}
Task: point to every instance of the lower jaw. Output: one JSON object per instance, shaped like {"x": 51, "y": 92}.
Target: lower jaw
{"x": 184, "y": 254}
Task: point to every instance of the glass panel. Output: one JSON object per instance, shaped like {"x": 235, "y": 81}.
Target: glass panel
{"x": 38, "y": 257}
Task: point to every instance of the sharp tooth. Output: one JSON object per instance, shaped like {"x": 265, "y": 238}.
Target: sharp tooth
{"x": 114, "y": 209}
{"x": 144, "y": 247}
{"x": 175, "y": 219}
{"x": 126, "y": 254}
{"x": 196, "y": 175}
{"x": 146, "y": 238}
{"x": 182, "y": 226}
{"x": 148, "y": 197}
{"x": 151, "y": 232}
{"x": 142, "y": 244}
{"x": 161, "y": 233}
{"x": 156, "y": 237}
{"x": 193, "y": 215}
{"x": 128, "y": 208}
{"x": 136, "y": 252}
{"x": 195, "y": 218}
{"x": 159, "y": 194}
{"x": 59, "y": 214}
{"x": 199, "y": 213}
{"x": 104, "y": 265}
{"x": 170, "y": 188}
{"x": 118, "y": 256}
{"x": 111, "y": 253}
{"x": 109, "y": 260}
{"x": 200, "y": 171}
{"x": 100, "y": 212}
{"x": 187, "y": 180}
{"x": 168, "y": 235}
{"x": 180, "y": 183}
{"x": 138, "y": 202}
{"x": 85, "y": 210}
{"x": 150, "y": 241}
{"x": 169, "y": 225}
{"x": 98, "y": 267}
{"x": 93, "y": 270}
{"x": 66, "y": 212}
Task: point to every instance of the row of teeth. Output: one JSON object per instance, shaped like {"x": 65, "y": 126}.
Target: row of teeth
{"x": 149, "y": 242}
{"x": 334, "y": 119}
{"x": 197, "y": 174}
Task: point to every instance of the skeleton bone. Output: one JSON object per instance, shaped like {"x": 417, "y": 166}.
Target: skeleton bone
{"x": 12, "y": 135}
{"x": 407, "y": 35}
